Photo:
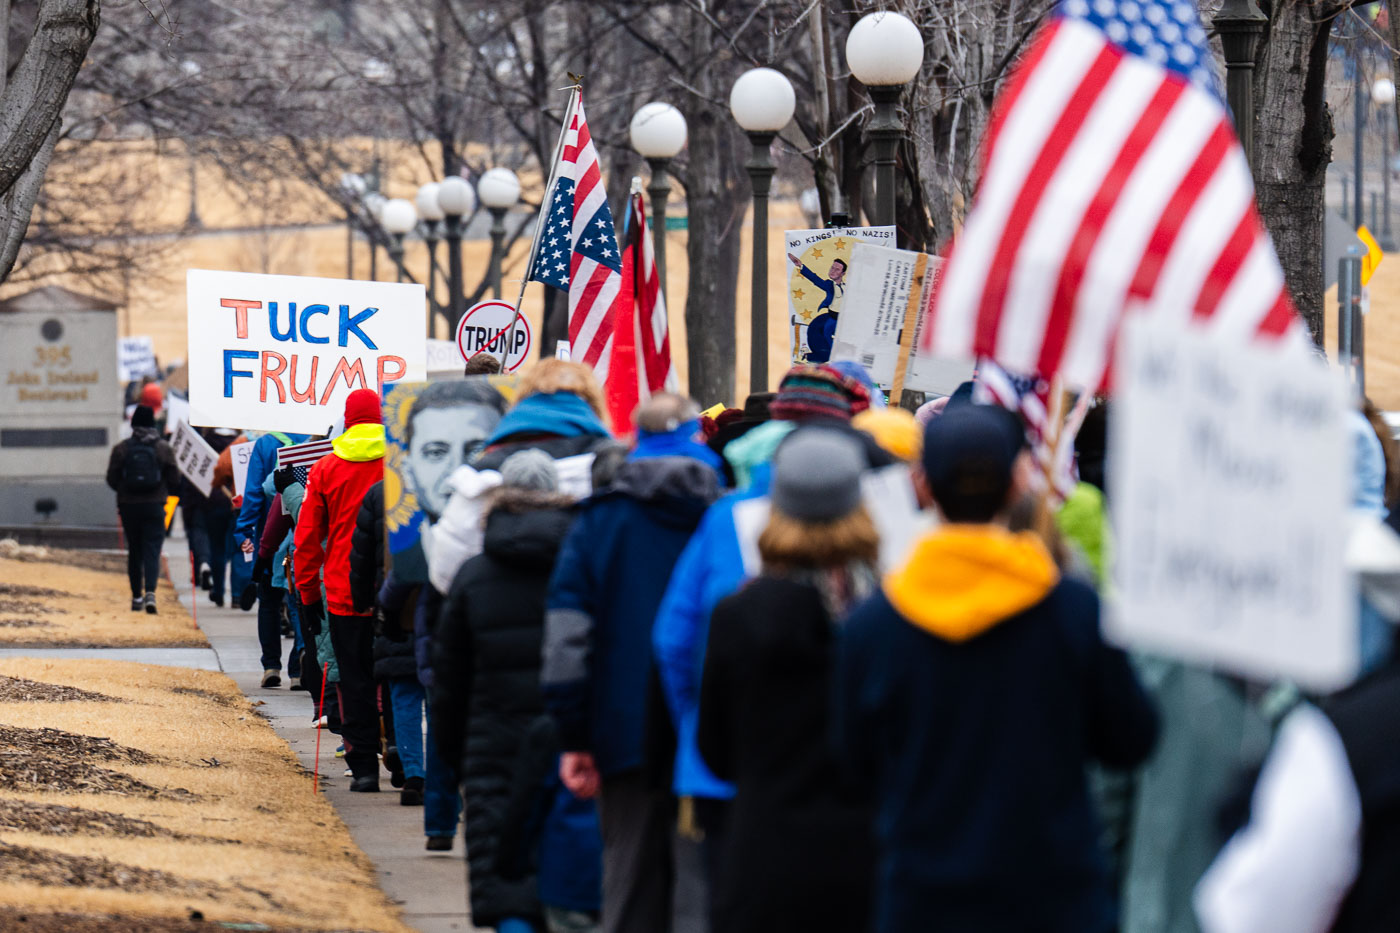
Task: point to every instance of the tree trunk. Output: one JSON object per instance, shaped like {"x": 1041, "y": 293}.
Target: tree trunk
{"x": 1293, "y": 145}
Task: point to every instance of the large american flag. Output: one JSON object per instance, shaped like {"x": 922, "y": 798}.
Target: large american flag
{"x": 578, "y": 247}
{"x": 1112, "y": 181}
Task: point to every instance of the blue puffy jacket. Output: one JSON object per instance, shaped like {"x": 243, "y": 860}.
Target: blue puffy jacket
{"x": 261, "y": 463}
{"x": 722, "y": 554}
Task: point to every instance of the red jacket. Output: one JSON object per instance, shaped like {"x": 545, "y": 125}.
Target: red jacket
{"x": 334, "y": 489}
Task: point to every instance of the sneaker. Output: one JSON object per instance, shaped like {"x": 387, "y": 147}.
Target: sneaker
{"x": 439, "y": 843}
{"x": 271, "y": 679}
{"x": 412, "y": 793}
{"x": 248, "y": 597}
{"x": 206, "y": 579}
{"x": 365, "y": 784}
{"x": 137, "y": 603}
{"x": 349, "y": 773}
{"x": 294, "y": 683}
{"x": 217, "y": 600}
{"x": 150, "y": 601}
{"x": 319, "y": 723}
{"x": 340, "y": 750}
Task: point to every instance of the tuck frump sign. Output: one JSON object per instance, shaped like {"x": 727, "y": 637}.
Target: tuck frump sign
{"x": 281, "y": 352}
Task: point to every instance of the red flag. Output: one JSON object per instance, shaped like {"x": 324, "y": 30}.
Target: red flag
{"x": 641, "y": 346}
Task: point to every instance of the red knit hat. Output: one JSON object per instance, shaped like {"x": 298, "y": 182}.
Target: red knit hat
{"x": 152, "y": 396}
{"x": 362, "y": 407}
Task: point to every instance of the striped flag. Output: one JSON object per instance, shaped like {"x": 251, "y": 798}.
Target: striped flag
{"x": 1112, "y": 181}
{"x": 302, "y": 457}
{"x": 641, "y": 349}
{"x": 1029, "y": 397}
{"x": 577, "y": 250}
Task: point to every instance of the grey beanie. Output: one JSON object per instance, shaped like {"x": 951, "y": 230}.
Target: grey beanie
{"x": 530, "y": 469}
{"x": 816, "y": 475}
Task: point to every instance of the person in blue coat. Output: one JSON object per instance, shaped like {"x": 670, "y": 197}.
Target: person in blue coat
{"x": 597, "y": 673}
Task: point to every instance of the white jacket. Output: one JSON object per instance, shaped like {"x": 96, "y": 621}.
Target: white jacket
{"x": 456, "y": 538}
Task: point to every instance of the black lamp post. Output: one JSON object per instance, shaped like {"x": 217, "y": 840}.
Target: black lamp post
{"x": 658, "y": 133}
{"x": 1239, "y": 24}
{"x": 885, "y": 51}
{"x": 499, "y": 190}
{"x": 456, "y": 198}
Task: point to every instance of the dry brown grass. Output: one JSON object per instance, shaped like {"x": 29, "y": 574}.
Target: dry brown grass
{"x": 233, "y": 831}
{"x": 52, "y": 604}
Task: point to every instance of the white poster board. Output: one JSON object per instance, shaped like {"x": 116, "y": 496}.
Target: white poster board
{"x": 443, "y": 358}
{"x": 1230, "y": 485}
{"x": 194, "y": 457}
{"x": 819, "y": 267}
{"x": 240, "y": 454}
{"x": 136, "y": 357}
{"x": 176, "y": 409}
{"x": 282, "y": 352}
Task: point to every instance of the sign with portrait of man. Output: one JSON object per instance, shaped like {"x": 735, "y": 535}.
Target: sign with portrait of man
{"x": 432, "y": 429}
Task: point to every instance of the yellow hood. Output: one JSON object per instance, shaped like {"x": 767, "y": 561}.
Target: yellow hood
{"x": 360, "y": 443}
{"x": 960, "y": 580}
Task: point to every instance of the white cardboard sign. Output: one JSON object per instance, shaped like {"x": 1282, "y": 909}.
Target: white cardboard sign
{"x": 1230, "y": 485}
{"x": 194, "y": 457}
{"x": 494, "y": 327}
{"x": 136, "y": 357}
{"x": 282, "y": 352}
{"x": 240, "y": 454}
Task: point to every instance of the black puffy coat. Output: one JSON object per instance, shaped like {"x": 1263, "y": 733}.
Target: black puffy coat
{"x": 367, "y": 550}
{"x": 486, "y": 664}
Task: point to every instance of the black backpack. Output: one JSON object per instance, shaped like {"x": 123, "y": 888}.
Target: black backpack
{"x": 141, "y": 471}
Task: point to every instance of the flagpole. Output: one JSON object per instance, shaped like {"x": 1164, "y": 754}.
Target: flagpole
{"x": 543, "y": 213}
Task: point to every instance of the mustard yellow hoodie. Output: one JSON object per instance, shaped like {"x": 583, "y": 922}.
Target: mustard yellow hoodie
{"x": 961, "y": 580}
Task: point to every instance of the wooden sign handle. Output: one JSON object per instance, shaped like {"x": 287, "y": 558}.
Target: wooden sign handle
{"x": 906, "y": 336}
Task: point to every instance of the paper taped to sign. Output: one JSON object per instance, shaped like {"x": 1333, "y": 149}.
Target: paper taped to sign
{"x": 282, "y": 352}
{"x": 819, "y": 268}
{"x": 1230, "y": 486}
{"x": 240, "y": 454}
{"x": 194, "y": 457}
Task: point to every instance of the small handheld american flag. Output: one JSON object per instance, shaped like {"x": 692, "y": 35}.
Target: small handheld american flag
{"x": 302, "y": 457}
{"x": 1112, "y": 181}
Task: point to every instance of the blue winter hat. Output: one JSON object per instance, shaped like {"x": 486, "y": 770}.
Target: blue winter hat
{"x": 968, "y": 457}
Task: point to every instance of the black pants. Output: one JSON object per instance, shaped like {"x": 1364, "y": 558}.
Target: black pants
{"x": 352, "y": 637}
{"x": 216, "y": 522}
{"x": 270, "y": 624}
{"x": 638, "y": 825}
{"x": 196, "y": 533}
{"x": 143, "y": 524}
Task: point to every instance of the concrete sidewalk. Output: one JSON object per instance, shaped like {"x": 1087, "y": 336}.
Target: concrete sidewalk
{"x": 431, "y": 886}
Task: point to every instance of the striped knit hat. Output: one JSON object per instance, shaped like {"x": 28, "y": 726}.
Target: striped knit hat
{"x": 813, "y": 391}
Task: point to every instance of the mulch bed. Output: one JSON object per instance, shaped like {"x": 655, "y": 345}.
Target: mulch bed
{"x": 106, "y": 561}
{"x": 30, "y": 922}
{"x": 223, "y": 699}
{"x": 19, "y": 600}
{"x": 46, "y": 867}
{"x": 20, "y": 690}
{"x": 53, "y": 819}
{"x": 54, "y": 760}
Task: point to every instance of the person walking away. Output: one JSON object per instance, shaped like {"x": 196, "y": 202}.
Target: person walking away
{"x": 487, "y": 666}
{"x": 598, "y": 672}
{"x": 798, "y": 853}
{"x": 335, "y": 489}
{"x": 971, "y": 691}
{"x": 274, "y": 547}
{"x": 142, "y": 472}
{"x": 248, "y": 526}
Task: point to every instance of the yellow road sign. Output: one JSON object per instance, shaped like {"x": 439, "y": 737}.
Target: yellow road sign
{"x": 1373, "y": 255}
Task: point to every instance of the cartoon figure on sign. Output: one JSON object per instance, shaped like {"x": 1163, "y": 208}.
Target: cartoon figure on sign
{"x": 816, "y": 299}
{"x": 432, "y": 429}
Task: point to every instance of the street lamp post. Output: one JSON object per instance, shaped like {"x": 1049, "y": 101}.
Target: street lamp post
{"x": 398, "y": 217}
{"x": 353, "y": 187}
{"x": 431, "y": 213}
{"x": 1240, "y": 23}
{"x": 374, "y": 206}
{"x": 498, "y": 189}
{"x": 762, "y": 102}
{"x": 658, "y": 132}
{"x": 1383, "y": 93}
{"x": 884, "y": 52}
{"x": 455, "y": 198}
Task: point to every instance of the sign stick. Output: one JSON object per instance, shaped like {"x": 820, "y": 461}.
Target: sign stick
{"x": 320, "y": 714}
{"x": 194, "y": 591}
{"x": 906, "y": 334}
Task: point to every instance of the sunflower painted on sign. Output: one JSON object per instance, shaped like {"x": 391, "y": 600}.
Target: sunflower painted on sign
{"x": 432, "y": 429}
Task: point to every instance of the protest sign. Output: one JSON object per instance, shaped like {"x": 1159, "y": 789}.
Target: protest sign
{"x": 887, "y": 296}
{"x": 136, "y": 357}
{"x": 817, "y": 283}
{"x": 494, "y": 327}
{"x": 443, "y": 357}
{"x": 240, "y": 454}
{"x": 431, "y": 429}
{"x": 177, "y": 408}
{"x": 194, "y": 457}
{"x": 1230, "y": 484}
{"x": 282, "y": 352}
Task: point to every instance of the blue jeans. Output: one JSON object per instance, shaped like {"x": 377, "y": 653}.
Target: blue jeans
{"x": 298, "y": 640}
{"x": 442, "y": 799}
{"x": 406, "y": 694}
{"x": 240, "y": 570}
{"x": 515, "y": 925}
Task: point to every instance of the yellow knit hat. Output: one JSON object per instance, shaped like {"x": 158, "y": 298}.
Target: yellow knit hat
{"x": 894, "y": 429}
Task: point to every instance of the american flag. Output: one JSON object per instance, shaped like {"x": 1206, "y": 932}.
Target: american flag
{"x": 1112, "y": 181}
{"x": 578, "y": 247}
{"x": 302, "y": 457}
{"x": 1029, "y": 397}
{"x": 641, "y": 351}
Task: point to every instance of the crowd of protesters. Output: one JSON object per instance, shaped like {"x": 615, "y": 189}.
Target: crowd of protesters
{"x": 712, "y": 694}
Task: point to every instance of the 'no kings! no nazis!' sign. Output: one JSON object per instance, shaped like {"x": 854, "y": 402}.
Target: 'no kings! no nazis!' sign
{"x": 281, "y": 352}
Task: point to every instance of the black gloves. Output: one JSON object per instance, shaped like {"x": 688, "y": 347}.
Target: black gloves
{"x": 262, "y": 568}
{"x": 283, "y": 478}
{"x": 313, "y": 617}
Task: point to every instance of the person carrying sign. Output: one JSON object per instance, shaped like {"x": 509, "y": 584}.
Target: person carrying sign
{"x": 142, "y": 471}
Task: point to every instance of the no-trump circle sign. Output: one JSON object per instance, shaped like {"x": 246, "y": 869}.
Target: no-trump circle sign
{"x": 493, "y": 327}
